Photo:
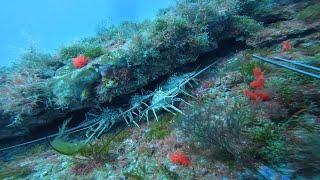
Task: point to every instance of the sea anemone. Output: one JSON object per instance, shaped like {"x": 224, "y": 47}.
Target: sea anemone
{"x": 180, "y": 158}
{"x": 80, "y": 61}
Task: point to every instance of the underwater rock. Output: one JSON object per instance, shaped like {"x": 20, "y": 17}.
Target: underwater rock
{"x": 130, "y": 65}
{"x": 282, "y": 31}
{"x": 67, "y": 89}
{"x": 66, "y": 93}
{"x": 231, "y": 79}
{"x": 286, "y": 10}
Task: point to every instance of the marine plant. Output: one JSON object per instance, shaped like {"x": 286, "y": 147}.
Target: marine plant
{"x": 14, "y": 171}
{"x": 211, "y": 126}
{"x": 23, "y": 90}
{"x": 168, "y": 173}
{"x": 72, "y": 51}
{"x": 245, "y": 25}
{"x": 286, "y": 91}
{"x": 247, "y": 66}
{"x": 122, "y": 32}
{"x": 159, "y": 129}
{"x": 310, "y": 13}
{"x": 138, "y": 173}
{"x": 37, "y": 63}
{"x": 305, "y": 158}
{"x": 236, "y": 131}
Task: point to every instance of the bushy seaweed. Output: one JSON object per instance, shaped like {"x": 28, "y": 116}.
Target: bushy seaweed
{"x": 212, "y": 126}
{"x": 310, "y": 13}
{"x": 246, "y": 25}
{"x": 23, "y": 86}
{"x": 235, "y": 131}
{"x": 306, "y": 158}
{"x": 159, "y": 129}
{"x": 90, "y": 51}
{"x": 14, "y": 171}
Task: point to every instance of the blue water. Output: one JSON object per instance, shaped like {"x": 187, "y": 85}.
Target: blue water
{"x": 50, "y": 24}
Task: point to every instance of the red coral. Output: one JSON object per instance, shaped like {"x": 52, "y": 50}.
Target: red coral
{"x": 180, "y": 158}
{"x": 80, "y": 61}
{"x": 256, "y": 95}
{"x": 263, "y": 96}
{"x": 252, "y": 95}
{"x": 286, "y": 45}
{"x": 257, "y": 85}
{"x": 257, "y": 72}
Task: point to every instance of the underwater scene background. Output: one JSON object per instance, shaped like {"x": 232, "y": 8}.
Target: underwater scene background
{"x": 48, "y": 25}
{"x": 185, "y": 89}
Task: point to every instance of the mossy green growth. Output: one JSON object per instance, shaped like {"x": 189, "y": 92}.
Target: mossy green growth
{"x": 90, "y": 51}
{"x": 262, "y": 52}
{"x": 93, "y": 52}
{"x": 112, "y": 57}
{"x": 289, "y": 93}
{"x": 310, "y": 13}
{"x": 225, "y": 157}
{"x": 270, "y": 144}
{"x": 37, "y": 149}
{"x": 160, "y": 24}
{"x": 249, "y": 63}
{"x": 101, "y": 149}
{"x": 98, "y": 151}
{"x": 123, "y": 135}
{"x": 246, "y": 68}
{"x": 37, "y": 61}
{"x": 139, "y": 173}
{"x": 169, "y": 174}
{"x": 310, "y": 50}
{"x": 159, "y": 129}
{"x": 313, "y": 60}
{"x": 246, "y": 25}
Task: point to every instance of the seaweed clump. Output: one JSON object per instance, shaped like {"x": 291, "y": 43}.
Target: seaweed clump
{"x": 235, "y": 132}
{"x": 310, "y": 13}
{"x": 86, "y": 49}
{"x": 14, "y": 172}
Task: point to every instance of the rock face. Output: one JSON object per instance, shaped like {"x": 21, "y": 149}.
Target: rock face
{"x": 282, "y": 31}
{"x": 70, "y": 90}
{"x": 178, "y": 37}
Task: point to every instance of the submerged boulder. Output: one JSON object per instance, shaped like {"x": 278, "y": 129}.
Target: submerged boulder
{"x": 281, "y": 31}
{"x": 69, "y": 90}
